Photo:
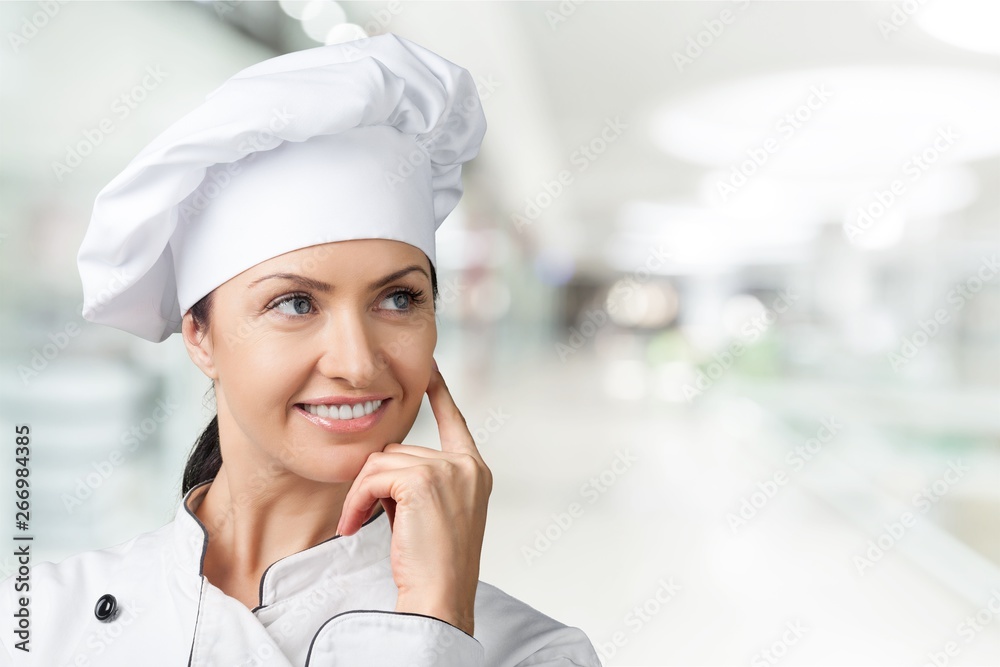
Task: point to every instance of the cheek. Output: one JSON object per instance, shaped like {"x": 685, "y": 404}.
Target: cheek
{"x": 261, "y": 373}
{"x": 410, "y": 357}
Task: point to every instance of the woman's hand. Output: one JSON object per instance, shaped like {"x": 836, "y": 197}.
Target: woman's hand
{"x": 436, "y": 503}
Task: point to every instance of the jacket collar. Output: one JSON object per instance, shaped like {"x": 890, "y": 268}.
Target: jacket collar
{"x": 293, "y": 574}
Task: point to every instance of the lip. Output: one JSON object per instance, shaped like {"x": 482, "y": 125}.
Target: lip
{"x": 343, "y": 425}
{"x": 344, "y": 400}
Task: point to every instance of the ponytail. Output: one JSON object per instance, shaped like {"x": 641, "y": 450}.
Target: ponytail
{"x": 205, "y": 459}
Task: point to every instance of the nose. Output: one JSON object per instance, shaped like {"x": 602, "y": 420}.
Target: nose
{"x": 350, "y": 350}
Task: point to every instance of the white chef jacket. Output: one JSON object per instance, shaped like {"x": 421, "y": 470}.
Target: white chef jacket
{"x": 331, "y": 605}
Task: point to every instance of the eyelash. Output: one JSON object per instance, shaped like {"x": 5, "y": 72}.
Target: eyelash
{"x": 417, "y": 297}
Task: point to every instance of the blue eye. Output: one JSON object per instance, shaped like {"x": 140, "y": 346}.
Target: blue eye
{"x": 403, "y": 300}
{"x": 292, "y": 305}
{"x": 398, "y": 300}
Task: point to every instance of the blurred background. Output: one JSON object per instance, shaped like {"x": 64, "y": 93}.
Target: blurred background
{"x": 720, "y": 305}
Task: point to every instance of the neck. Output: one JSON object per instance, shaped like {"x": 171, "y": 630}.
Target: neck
{"x": 253, "y": 522}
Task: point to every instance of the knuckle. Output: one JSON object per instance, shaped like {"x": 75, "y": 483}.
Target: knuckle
{"x": 424, "y": 475}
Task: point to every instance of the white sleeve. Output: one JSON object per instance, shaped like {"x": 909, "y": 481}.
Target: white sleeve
{"x": 392, "y": 639}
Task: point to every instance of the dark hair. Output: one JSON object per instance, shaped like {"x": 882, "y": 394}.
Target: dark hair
{"x": 206, "y": 456}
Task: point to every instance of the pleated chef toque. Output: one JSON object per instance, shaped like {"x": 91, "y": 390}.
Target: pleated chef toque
{"x": 357, "y": 140}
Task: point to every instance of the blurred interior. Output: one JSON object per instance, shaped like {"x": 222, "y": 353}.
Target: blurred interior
{"x": 720, "y": 305}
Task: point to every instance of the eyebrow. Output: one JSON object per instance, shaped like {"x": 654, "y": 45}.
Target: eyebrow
{"x": 320, "y": 286}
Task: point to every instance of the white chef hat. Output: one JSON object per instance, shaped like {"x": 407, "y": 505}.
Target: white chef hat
{"x": 363, "y": 139}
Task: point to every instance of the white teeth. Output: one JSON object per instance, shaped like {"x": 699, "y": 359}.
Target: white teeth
{"x": 344, "y": 411}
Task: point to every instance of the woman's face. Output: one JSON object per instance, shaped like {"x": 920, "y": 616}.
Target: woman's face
{"x": 303, "y": 345}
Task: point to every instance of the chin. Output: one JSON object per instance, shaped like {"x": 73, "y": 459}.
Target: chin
{"x": 331, "y": 464}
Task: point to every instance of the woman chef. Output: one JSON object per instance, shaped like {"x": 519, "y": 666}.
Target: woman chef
{"x": 285, "y": 228}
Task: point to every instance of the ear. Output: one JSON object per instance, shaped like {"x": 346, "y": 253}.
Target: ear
{"x": 199, "y": 346}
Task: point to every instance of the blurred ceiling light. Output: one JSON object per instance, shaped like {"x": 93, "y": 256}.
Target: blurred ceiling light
{"x": 797, "y": 201}
{"x": 294, "y": 8}
{"x": 320, "y": 16}
{"x": 968, "y": 24}
{"x": 776, "y": 200}
{"x": 871, "y": 225}
{"x": 647, "y": 305}
{"x": 699, "y": 239}
{"x": 345, "y": 32}
{"x": 862, "y": 120}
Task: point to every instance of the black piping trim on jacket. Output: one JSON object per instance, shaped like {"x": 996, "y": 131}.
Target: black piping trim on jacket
{"x": 204, "y": 544}
{"x": 197, "y": 617}
{"x": 260, "y": 589}
{"x": 377, "y": 611}
{"x": 201, "y": 568}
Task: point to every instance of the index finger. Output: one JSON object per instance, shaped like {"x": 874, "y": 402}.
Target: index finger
{"x": 455, "y": 434}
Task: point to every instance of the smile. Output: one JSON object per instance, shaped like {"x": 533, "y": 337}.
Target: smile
{"x": 343, "y": 411}
{"x": 345, "y": 418}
